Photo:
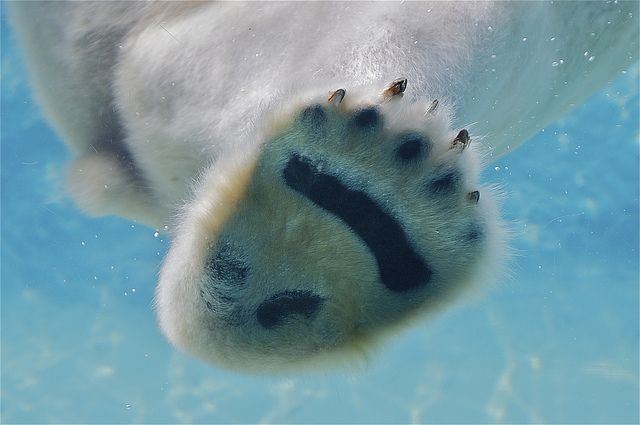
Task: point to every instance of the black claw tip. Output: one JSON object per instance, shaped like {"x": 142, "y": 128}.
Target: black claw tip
{"x": 337, "y": 96}
{"x": 462, "y": 139}
{"x": 473, "y": 196}
{"x": 399, "y": 85}
{"x": 396, "y": 88}
{"x": 433, "y": 107}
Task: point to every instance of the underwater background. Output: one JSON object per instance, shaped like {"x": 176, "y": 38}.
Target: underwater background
{"x": 554, "y": 341}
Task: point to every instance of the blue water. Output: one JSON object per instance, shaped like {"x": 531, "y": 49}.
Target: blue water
{"x": 556, "y": 341}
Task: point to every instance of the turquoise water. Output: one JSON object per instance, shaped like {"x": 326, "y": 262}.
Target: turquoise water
{"x": 556, "y": 341}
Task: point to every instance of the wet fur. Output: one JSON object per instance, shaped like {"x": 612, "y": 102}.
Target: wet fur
{"x": 183, "y": 115}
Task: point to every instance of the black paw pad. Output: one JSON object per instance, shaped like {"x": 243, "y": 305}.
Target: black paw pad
{"x": 227, "y": 266}
{"x": 204, "y": 297}
{"x": 226, "y": 273}
{"x": 367, "y": 119}
{"x": 445, "y": 184}
{"x": 223, "y": 307}
{"x": 313, "y": 116}
{"x": 412, "y": 146}
{"x": 401, "y": 268}
{"x": 474, "y": 233}
{"x": 272, "y": 312}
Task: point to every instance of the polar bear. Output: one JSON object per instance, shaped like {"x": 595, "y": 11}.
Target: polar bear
{"x": 312, "y": 161}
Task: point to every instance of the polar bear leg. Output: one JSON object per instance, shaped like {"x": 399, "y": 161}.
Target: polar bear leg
{"x": 70, "y": 50}
{"x": 102, "y": 183}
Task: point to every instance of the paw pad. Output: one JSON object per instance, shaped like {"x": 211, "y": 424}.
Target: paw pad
{"x": 313, "y": 116}
{"x": 412, "y": 146}
{"x": 445, "y": 184}
{"x": 282, "y": 306}
{"x": 357, "y": 215}
{"x": 367, "y": 119}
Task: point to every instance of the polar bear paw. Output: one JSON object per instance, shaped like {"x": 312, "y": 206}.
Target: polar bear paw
{"x": 357, "y": 214}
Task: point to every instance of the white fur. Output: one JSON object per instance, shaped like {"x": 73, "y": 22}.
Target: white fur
{"x": 189, "y": 81}
{"x": 291, "y": 245}
{"x": 168, "y": 105}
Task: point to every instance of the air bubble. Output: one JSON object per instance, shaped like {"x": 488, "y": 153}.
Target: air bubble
{"x": 156, "y": 234}
{"x": 591, "y": 58}
{"x": 524, "y": 38}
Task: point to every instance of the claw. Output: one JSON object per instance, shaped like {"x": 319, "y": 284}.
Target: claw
{"x": 396, "y": 88}
{"x": 462, "y": 139}
{"x": 473, "y": 196}
{"x": 433, "y": 107}
{"x": 336, "y": 97}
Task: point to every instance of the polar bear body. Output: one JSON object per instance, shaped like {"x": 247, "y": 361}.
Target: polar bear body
{"x": 180, "y": 84}
{"x": 205, "y": 119}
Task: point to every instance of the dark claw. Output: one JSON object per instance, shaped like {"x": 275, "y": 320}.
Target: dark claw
{"x": 397, "y": 87}
{"x": 433, "y": 107}
{"x": 462, "y": 139}
{"x": 473, "y": 196}
{"x": 336, "y": 97}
